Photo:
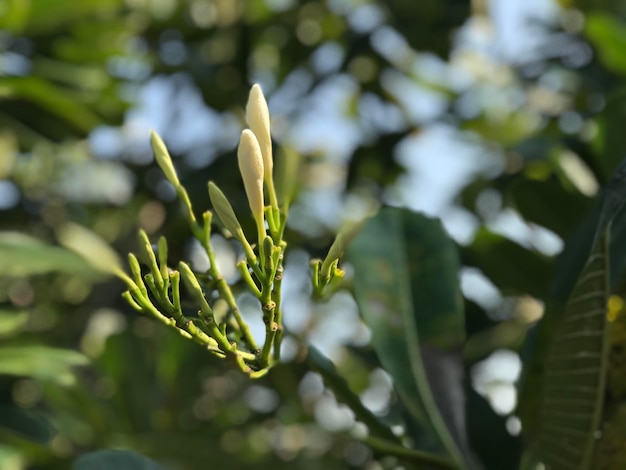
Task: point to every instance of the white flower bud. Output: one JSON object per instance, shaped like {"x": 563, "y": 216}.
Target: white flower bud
{"x": 251, "y": 168}
{"x": 258, "y": 117}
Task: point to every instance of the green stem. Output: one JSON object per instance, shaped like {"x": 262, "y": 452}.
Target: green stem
{"x": 276, "y": 297}
{"x": 245, "y": 274}
{"x": 268, "y": 306}
{"x": 204, "y": 237}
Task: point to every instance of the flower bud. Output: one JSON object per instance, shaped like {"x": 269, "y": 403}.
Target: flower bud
{"x": 258, "y": 117}
{"x": 145, "y": 247}
{"x": 193, "y": 286}
{"x": 344, "y": 237}
{"x": 163, "y": 158}
{"x": 135, "y": 270}
{"x": 223, "y": 209}
{"x": 251, "y": 168}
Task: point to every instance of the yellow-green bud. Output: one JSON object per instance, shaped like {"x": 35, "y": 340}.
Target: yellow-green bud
{"x": 223, "y": 209}
{"x": 268, "y": 251}
{"x": 163, "y": 159}
{"x": 163, "y": 257}
{"x": 344, "y": 237}
{"x": 193, "y": 286}
{"x": 148, "y": 254}
{"x": 251, "y": 168}
{"x": 258, "y": 117}
{"x": 135, "y": 270}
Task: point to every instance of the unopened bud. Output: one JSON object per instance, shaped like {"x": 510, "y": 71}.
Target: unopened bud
{"x": 251, "y": 168}
{"x": 163, "y": 159}
{"x": 258, "y": 117}
{"x": 193, "y": 286}
{"x": 344, "y": 237}
{"x": 223, "y": 209}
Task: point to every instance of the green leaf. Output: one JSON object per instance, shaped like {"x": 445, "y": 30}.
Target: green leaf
{"x": 52, "y": 98}
{"x": 10, "y": 457}
{"x": 608, "y": 33}
{"x": 26, "y": 424}
{"x": 574, "y": 386}
{"x": 23, "y": 255}
{"x": 12, "y": 321}
{"x": 407, "y": 289}
{"x": 114, "y": 459}
{"x": 41, "y": 362}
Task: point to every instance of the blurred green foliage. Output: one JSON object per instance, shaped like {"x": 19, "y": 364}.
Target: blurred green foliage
{"x": 79, "y": 371}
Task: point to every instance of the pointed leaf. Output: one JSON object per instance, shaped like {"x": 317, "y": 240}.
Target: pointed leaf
{"x": 407, "y": 289}
{"x": 574, "y": 387}
{"x": 23, "y": 255}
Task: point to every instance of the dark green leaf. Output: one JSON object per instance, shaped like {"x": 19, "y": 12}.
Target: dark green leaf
{"x": 52, "y": 98}
{"x": 576, "y": 370}
{"x": 26, "y": 424}
{"x": 407, "y": 288}
{"x": 114, "y": 460}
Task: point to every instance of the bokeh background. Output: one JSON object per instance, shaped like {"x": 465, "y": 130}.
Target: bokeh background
{"x": 501, "y": 117}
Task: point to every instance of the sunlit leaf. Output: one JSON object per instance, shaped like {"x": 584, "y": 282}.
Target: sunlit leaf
{"x": 12, "y": 321}
{"x": 23, "y": 255}
{"x": 41, "y": 362}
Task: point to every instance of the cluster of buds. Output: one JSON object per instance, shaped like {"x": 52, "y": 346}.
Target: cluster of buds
{"x": 157, "y": 292}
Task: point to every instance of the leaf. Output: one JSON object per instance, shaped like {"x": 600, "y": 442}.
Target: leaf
{"x": 568, "y": 267}
{"x": 574, "y": 386}
{"x": 26, "y": 424}
{"x": 114, "y": 459}
{"x": 608, "y": 33}
{"x": 23, "y": 255}
{"x": 41, "y": 362}
{"x": 407, "y": 289}
{"x": 12, "y": 321}
{"x": 52, "y": 98}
